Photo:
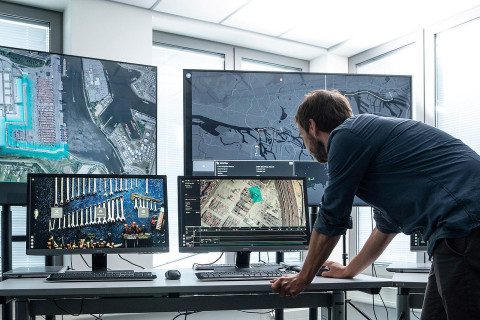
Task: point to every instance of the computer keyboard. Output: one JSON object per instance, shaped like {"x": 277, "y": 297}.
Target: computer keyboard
{"x": 201, "y": 267}
{"x": 119, "y": 275}
{"x": 242, "y": 275}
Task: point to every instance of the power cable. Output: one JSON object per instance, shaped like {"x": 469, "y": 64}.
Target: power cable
{"x": 131, "y": 262}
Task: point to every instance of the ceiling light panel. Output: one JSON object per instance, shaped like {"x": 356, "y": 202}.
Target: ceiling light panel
{"x": 138, "y": 3}
{"x": 271, "y": 17}
{"x": 205, "y": 10}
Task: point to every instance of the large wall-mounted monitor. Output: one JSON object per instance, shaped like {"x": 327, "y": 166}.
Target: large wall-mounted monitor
{"x": 69, "y": 114}
{"x": 241, "y": 122}
{"x": 96, "y": 214}
{"x": 242, "y": 214}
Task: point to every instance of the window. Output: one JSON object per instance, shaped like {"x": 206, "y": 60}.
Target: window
{"x": 457, "y": 95}
{"x": 255, "y": 65}
{"x": 25, "y": 34}
{"x": 398, "y": 61}
{"x": 35, "y": 35}
{"x": 395, "y": 62}
{"x": 171, "y": 60}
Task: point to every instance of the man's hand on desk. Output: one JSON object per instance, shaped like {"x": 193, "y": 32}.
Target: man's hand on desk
{"x": 336, "y": 271}
{"x": 289, "y": 285}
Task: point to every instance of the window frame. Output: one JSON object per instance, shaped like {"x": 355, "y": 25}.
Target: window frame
{"x": 430, "y": 58}
{"x": 268, "y": 58}
{"x": 53, "y": 18}
{"x": 416, "y": 38}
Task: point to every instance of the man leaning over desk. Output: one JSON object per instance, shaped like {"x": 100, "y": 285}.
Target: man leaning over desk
{"x": 416, "y": 178}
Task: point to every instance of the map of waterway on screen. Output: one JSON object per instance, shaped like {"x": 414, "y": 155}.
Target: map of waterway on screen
{"x": 249, "y": 116}
{"x": 66, "y": 114}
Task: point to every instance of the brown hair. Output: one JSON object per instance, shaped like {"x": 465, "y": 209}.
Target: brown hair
{"x": 328, "y": 109}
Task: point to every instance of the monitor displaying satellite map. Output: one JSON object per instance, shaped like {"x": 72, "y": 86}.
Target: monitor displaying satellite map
{"x": 69, "y": 114}
{"x": 241, "y": 122}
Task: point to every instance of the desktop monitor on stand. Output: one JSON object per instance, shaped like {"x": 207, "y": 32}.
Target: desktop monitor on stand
{"x": 242, "y": 214}
{"x": 96, "y": 214}
{"x": 417, "y": 243}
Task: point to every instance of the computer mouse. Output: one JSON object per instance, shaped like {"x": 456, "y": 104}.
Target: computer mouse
{"x": 294, "y": 268}
{"x": 321, "y": 270}
{"x": 172, "y": 275}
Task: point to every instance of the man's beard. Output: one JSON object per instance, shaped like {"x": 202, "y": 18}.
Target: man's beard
{"x": 319, "y": 151}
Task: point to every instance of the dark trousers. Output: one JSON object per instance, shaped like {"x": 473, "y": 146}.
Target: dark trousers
{"x": 453, "y": 288}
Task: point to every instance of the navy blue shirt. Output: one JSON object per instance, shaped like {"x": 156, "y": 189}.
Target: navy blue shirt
{"x": 415, "y": 176}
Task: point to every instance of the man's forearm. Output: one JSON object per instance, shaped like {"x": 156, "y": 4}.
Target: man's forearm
{"x": 320, "y": 248}
{"x": 373, "y": 248}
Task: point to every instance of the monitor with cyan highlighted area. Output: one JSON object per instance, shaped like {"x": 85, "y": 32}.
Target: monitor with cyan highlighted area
{"x": 242, "y": 214}
{"x": 96, "y": 214}
{"x": 69, "y": 114}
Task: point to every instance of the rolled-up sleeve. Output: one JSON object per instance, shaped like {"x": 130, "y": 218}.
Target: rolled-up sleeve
{"x": 348, "y": 159}
{"x": 383, "y": 224}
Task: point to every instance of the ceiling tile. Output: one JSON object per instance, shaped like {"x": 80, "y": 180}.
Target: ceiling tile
{"x": 271, "y": 17}
{"x": 205, "y": 10}
{"x": 138, "y": 3}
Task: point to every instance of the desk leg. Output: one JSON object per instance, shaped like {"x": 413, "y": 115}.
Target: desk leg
{"x": 403, "y": 304}
{"x": 7, "y": 311}
{"x": 338, "y": 305}
{"x": 313, "y": 314}
{"x": 278, "y": 314}
{"x": 21, "y": 310}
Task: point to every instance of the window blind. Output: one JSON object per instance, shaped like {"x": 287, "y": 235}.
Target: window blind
{"x": 26, "y": 34}
{"x": 457, "y": 94}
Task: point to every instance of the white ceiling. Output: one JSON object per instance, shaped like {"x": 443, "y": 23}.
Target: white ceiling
{"x": 344, "y": 27}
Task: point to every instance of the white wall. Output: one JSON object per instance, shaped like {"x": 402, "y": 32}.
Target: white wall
{"x": 330, "y": 63}
{"x": 108, "y": 30}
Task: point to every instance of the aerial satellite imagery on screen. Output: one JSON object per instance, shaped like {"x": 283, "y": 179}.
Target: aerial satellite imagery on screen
{"x": 251, "y": 203}
{"x": 249, "y": 115}
{"x": 67, "y": 114}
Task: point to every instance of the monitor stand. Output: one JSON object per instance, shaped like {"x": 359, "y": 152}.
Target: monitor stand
{"x": 99, "y": 262}
{"x": 242, "y": 259}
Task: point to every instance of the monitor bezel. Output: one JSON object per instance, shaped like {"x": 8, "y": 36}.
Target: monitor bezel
{"x": 188, "y": 108}
{"x": 239, "y": 248}
{"x": 57, "y": 252}
{"x": 15, "y": 193}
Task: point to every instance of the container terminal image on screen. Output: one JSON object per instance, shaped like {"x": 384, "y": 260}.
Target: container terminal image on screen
{"x": 69, "y": 114}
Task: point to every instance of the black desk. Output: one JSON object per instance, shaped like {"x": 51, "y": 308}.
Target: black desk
{"x": 38, "y": 297}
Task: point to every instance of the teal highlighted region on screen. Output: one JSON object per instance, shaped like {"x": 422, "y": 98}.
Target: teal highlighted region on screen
{"x": 255, "y": 194}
